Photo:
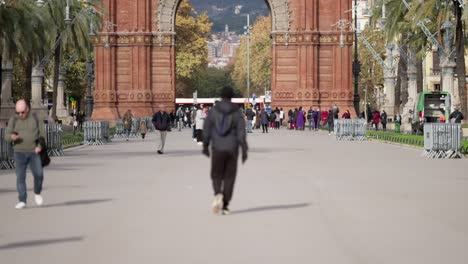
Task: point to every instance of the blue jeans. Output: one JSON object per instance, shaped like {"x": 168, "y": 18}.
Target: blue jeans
{"x": 249, "y": 126}
{"x": 22, "y": 159}
{"x": 127, "y": 132}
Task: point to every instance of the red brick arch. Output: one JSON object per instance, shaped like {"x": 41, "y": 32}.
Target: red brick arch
{"x": 136, "y": 56}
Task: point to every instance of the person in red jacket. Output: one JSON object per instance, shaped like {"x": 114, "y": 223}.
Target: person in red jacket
{"x": 324, "y": 117}
{"x": 376, "y": 120}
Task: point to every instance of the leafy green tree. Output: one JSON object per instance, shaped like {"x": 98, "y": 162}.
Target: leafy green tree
{"x": 70, "y": 35}
{"x": 260, "y": 58}
{"x": 371, "y": 75}
{"x": 192, "y": 31}
{"x": 20, "y": 21}
{"x": 209, "y": 82}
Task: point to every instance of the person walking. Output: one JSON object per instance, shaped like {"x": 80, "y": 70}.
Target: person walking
{"x": 272, "y": 119}
{"x": 324, "y": 117}
{"x": 300, "y": 121}
{"x": 281, "y": 116}
{"x": 346, "y": 115}
{"x": 329, "y": 121}
{"x": 26, "y": 133}
{"x": 257, "y": 120}
{"x": 397, "y": 123}
{"x": 336, "y": 111}
{"x": 316, "y": 115}
{"x": 310, "y": 118}
{"x": 264, "y": 120}
{"x": 179, "y": 118}
{"x": 162, "y": 122}
{"x": 199, "y": 119}
{"x": 376, "y": 120}
{"x": 278, "y": 118}
{"x": 143, "y": 129}
{"x": 456, "y": 116}
{"x": 224, "y": 131}
{"x": 383, "y": 118}
{"x": 249, "y": 113}
{"x": 127, "y": 122}
{"x": 290, "y": 118}
{"x": 193, "y": 115}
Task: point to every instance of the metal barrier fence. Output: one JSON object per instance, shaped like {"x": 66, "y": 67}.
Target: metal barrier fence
{"x": 53, "y": 135}
{"x": 96, "y": 132}
{"x": 119, "y": 129}
{"x": 6, "y": 152}
{"x": 149, "y": 123}
{"x": 442, "y": 140}
{"x": 350, "y": 129}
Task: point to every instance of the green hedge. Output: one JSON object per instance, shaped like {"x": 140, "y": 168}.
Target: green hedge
{"x": 405, "y": 139}
{"x": 70, "y": 140}
{"x": 412, "y": 140}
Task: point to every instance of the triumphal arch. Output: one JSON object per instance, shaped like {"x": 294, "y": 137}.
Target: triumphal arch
{"x": 135, "y": 56}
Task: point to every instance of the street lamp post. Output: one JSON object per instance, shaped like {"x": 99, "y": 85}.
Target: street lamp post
{"x": 356, "y": 63}
{"x": 247, "y": 33}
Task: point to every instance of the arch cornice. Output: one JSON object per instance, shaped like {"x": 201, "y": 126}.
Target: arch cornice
{"x": 167, "y": 9}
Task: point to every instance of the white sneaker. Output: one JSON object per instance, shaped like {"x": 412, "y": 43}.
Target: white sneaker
{"x": 195, "y": 139}
{"x": 217, "y": 203}
{"x": 20, "y": 205}
{"x": 200, "y": 143}
{"x": 38, "y": 199}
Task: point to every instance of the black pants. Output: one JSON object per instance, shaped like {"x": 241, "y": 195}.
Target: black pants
{"x": 265, "y": 128}
{"x": 223, "y": 174}
{"x": 384, "y": 126}
{"x": 199, "y": 135}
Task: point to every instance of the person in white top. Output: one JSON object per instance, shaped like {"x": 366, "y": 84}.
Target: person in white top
{"x": 281, "y": 117}
{"x": 199, "y": 121}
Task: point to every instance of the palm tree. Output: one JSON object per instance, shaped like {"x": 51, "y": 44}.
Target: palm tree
{"x": 70, "y": 33}
{"x": 20, "y": 21}
{"x": 460, "y": 69}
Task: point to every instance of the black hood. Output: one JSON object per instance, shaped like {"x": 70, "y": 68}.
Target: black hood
{"x": 226, "y": 107}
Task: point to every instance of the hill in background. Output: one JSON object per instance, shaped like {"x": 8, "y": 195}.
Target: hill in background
{"x": 221, "y": 12}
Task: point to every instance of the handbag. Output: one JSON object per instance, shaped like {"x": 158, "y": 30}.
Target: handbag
{"x": 44, "y": 155}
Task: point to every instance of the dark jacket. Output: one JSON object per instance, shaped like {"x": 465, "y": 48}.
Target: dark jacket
{"x": 457, "y": 116}
{"x": 224, "y": 128}
{"x": 29, "y": 131}
{"x": 383, "y": 118}
{"x": 249, "y": 114}
{"x": 161, "y": 121}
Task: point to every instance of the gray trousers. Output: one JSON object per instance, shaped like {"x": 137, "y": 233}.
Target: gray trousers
{"x": 162, "y": 140}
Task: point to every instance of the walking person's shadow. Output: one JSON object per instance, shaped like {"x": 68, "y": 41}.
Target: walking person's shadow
{"x": 271, "y": 208}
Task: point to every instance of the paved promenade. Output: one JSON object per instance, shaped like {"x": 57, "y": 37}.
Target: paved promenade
{"x": 302, "y": 197}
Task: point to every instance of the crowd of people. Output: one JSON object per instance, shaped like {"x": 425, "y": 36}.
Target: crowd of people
{"x": 221, "y": 130}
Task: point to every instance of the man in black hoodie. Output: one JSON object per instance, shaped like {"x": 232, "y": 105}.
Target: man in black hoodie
{"x": 224, "y": 128}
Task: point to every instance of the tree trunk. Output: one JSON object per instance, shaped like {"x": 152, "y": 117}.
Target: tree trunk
{"x": 419, "y": 75}
{"x": 460, "y": 50}
{"x": 398, "y": 88}
{"x": 57, "y": 61}
{"x": 27, "y": 81}
{"x": 403, "y": 76}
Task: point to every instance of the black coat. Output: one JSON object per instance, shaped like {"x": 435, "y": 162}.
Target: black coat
{"x": 162, "y": 121}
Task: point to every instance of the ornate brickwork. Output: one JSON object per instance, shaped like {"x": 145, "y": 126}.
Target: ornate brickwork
{"x": 135, "y": 57}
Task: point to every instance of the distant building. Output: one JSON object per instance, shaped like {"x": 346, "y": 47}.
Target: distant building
{"x": 222, "y": 48}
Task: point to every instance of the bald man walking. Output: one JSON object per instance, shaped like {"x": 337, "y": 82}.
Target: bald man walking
{"x": 24, "y": 131}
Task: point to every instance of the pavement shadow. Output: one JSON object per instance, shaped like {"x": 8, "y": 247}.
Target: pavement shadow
{"x": 13, "y": 190}
{"x": 6, "y": 190}
{"x": 271, "y": 208}
{"x": 77, "y": 202}
{"x": 183, "y": 153}
{"x": 41, "y": 242}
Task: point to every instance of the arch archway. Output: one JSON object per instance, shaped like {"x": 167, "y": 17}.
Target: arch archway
{"x": 135, "y": 56}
